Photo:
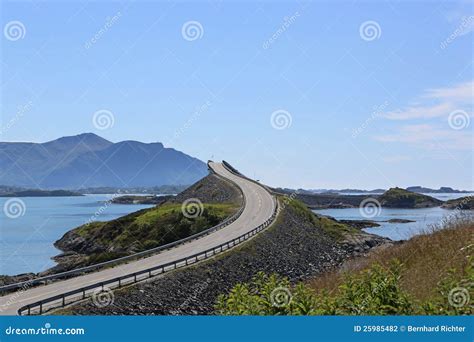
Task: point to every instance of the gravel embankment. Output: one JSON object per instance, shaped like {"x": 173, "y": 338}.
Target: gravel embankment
{"x": 292, "y": 247}
{"x": 211, "y": 189}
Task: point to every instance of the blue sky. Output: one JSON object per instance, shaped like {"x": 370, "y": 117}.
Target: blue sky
{"x": 363, "y": 94}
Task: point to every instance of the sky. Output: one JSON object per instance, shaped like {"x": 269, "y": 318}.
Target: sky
{"x": 296, "y": 94}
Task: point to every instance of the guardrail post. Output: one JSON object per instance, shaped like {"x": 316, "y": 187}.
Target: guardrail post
{"x": 29, "y": 310}
{"x": 120, "y": 282}
{"x": 41, "y": 308}
{"x": 134, "y": 278}
{"x": 64, "y": 300}
{"x": 83, "y": 294}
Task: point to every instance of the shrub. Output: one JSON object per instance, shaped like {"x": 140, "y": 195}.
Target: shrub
{"x": 375, "y": 291}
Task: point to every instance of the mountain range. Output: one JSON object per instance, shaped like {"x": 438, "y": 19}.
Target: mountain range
{"x": 87, "y": 160}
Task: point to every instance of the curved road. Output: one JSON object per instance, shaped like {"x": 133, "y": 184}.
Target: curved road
{"x": 259, "y": 207}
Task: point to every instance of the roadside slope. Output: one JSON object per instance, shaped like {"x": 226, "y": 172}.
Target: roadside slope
{"x": 298, "y": 245}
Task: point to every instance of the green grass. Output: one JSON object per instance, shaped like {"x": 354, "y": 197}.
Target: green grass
{"x": 150, "y": 228}
{"x": 335, "y": 229}
{"x": 397, "y": 197}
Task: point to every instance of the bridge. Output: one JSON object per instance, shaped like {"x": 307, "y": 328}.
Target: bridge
{"x": 258, "y": 212}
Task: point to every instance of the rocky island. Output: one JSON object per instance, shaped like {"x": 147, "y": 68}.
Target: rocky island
{"x": 463, "y": 203}
{"x": 401, "y": 198}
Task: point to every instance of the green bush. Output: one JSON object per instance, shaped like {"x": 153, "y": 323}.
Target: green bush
{"x": 375, "y": 291}
{"x": 456, "y": 297}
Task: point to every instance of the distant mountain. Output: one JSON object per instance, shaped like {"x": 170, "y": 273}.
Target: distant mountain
{"x": 443, "y": 190}
{"x": 87, "y": 160}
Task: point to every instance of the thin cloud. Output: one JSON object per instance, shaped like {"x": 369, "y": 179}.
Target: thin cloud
{"x": 463, "y": 92}
{"x": 429, "y": 137}
{"x": 446, "y": 100}
{"x": 421, "y": 112}
{"x": 396, "y": 159}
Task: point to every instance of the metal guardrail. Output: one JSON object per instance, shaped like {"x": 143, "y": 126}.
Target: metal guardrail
{"x": 79, "y": 294}
{"x": 232, "y": 169}
{"x": 82, "y": 270}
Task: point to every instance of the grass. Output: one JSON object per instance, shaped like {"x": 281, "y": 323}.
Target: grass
{"x": 150, "y": 228}
{"x": 397, "y": 197}
{"x": 427, "y": 259}
{"x": 432, "y": 274}
{"x": 333, "y": 228}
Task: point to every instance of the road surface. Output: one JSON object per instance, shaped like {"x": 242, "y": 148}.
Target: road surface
{"x": 259, "y": 207}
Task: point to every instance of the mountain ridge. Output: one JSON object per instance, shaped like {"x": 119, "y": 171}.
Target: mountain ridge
{"x": 88, "y": 160}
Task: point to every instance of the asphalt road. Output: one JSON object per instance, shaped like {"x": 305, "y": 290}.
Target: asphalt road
{"x": 259, "y": 207}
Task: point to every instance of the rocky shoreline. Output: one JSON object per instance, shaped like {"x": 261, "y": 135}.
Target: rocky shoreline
{"x": 294, "y": 247}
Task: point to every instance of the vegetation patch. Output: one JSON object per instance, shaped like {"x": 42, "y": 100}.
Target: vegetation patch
{"x": 333, "y": 228}
{"x": 431, "y": 274}
{"x": 140, "y": 231}
{"x": 401, "y": 198}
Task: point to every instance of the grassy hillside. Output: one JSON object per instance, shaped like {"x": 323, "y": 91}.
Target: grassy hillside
{"x": 140, "y": 231}
{"x": 148, "y": 228}
{"x": 401, "y": 198}
{"x": 333, "y": 228}
{"x": 429, "y": 274}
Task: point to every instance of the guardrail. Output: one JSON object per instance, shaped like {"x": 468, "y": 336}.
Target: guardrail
{"x": 66, "y": 298}
{"x": 232, "y": 169}
{"x": 82, "y": 270}
{"x": 62, "y": 299}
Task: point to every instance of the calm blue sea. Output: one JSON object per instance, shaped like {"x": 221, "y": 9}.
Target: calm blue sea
{"x": 26, "y": 242}
{"x": 400, "y": 231}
